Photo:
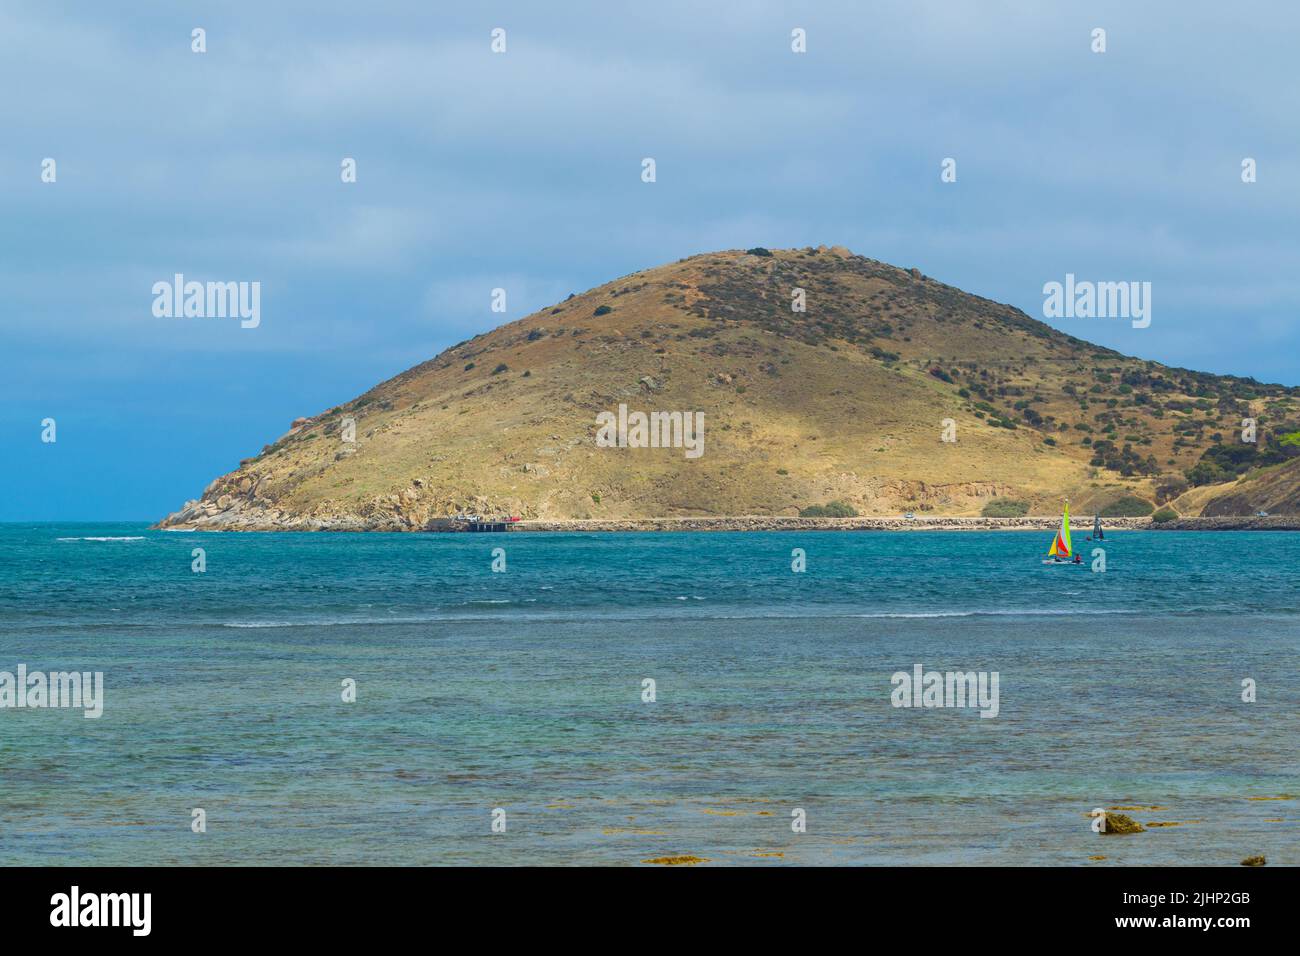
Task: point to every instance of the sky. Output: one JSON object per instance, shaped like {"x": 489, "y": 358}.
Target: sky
{"x": 522, "y": 170}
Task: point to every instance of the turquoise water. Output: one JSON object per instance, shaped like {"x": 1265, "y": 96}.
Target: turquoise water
{"x": 522, "y": 690}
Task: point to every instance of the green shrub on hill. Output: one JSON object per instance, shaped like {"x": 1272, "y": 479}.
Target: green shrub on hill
{"x": 1170, "y": 487}
{"x": 836, "y": 509}
{"x": 1129, "y": 506}
{"x": 1005, "y": 508}
{"x": 1220, "y": 463}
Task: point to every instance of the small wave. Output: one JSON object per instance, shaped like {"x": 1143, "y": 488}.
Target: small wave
{"x": 1006, "y": 612}
{"x": 649, "y": 614}
{"x": 364, "y": 621}
{"x": 126, "y": 538}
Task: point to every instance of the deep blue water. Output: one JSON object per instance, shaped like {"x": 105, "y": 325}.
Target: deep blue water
{"x": 522, "y": 690}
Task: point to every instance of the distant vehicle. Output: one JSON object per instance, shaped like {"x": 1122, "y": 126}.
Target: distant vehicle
{"x": 513, "y": 518}
{"x": 909, "y": 516}
{"x": 1261, "y": 514}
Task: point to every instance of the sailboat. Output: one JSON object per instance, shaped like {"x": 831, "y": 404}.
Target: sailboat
{"x": 1062, "y": 551}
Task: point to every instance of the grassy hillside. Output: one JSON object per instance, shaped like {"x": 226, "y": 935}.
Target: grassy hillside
{"x": 843, "y": 402}
{"x": 1275, "y": 490}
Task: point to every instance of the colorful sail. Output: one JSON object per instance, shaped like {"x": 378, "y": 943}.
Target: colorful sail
{"x": 1061, "y": 546}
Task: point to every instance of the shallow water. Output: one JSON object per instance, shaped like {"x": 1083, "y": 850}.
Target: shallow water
{"x": 522, "y": 690}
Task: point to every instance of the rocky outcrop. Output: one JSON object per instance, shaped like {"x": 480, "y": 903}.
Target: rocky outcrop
{"x": 1271, "y": 523}
{"x": 765, "y": 523}
{"x": 1118, "y": 823}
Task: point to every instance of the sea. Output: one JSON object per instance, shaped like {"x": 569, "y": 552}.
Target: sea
{"x": 648, "y": 698}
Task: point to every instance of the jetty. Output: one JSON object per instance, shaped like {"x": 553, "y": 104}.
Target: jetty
{"x": 475, "y": 523}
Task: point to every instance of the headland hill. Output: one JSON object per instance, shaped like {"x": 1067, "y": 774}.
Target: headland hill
{"x": 889, "y": 394}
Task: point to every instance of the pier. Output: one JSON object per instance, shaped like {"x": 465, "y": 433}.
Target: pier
{"x": 467, "y": 524}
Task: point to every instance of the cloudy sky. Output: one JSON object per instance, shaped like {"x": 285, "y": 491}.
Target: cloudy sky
{"x": 522, "y": 170}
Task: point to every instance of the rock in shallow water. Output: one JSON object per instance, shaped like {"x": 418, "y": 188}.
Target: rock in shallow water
{"x": 677, "y": 860}
{"x": 1119, "y": 823}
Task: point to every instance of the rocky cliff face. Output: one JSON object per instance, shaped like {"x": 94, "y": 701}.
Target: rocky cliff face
{"x": 851, "y": 399}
